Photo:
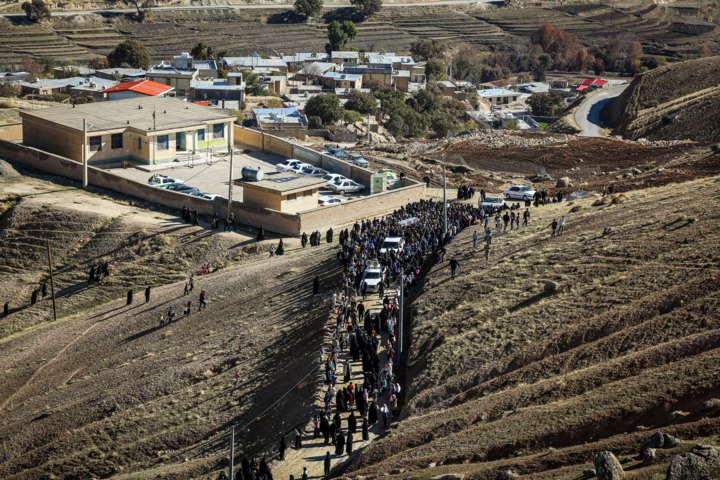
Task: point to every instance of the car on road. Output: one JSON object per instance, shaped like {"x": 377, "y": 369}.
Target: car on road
{"x": 298, "y": 168}
{"x": 520, "y": 192}
{"x": 392, "y": 243}
{"x": 313, "y": 172}
{"x": 358, "y": 160}
{"x": 326, "y": 200}
{"x": 286, "y": 165}
{"x": 213, "y": 196}
{"x": 374, "y": 274}
{"x": 333, "y": 177}
{"x": 344, "y": 186}
{"x": 183, "y": 188}
{"x": 196, "y": 193}
{"x": 163, "y": 181}
{"x": 492, "y": 201}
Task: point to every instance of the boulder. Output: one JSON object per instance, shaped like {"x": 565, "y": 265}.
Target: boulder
{"x": 608, "y": 467}
{"x": 608, "y": 230}
{"x": 506, "y": 475}
{"x": 551, "y": 287}
{"x": 696, "y": 464}
{"x": 590, "y": 473}
{"x": 430, "y": 465}
{"x": 636, "y": 171}
{"x": 648, "y": 456}
{"x": 448, "y": 476}
{"x": 659, "y": 440}
{"x": 710, "y": 404}
{"x": 398, "y": 471}
{"x": 563, "y": 182}
{"x": 677, "y": 415}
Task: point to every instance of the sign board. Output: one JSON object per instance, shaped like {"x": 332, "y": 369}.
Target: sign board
{"x": 377, "y": 183}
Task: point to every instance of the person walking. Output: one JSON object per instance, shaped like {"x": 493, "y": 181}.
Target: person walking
{"x": 129, "y": 297}
{"x": 44, "y": 289}
{"x": 33, "y": 297}
{"x": 298, "y": 439}
{"x": 554, "y": 226}
{"x": 454, "y": 264}
{"x": 305, "y": 474}
{"x": 202, "y": 300}
{"x": 475, "y": 239}
{"x": 6, "y": 309}
{"x": 526, "y": 217}
{"x": 272, "y": 250}
{"x": 316, "y": 285}
{"x": 561, "y": 225}
{"x": 187, "y": 290}
{"x": 282, "y": 447}
{"x": 147, "y": 294}
{"x": 327, "y": 464}
{"x": 381, "y": 290}
{"x": 506, "y": 220}
{"x": 192, "y": 283}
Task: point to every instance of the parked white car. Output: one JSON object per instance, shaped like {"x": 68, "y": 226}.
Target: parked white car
{"x": 299, "y": 168}
{"x": 313, "y": 172}
{"x": 286, "y": 165}
{"x": 326, "y": 200}
{"x": 344, "y": 186}
{"x": 374, "y": 274}
{"x": 520, "y": 192}
{"x": 492, "y": 201}
{"x": 333, "y": 177}
{"x": 163, "y": 181}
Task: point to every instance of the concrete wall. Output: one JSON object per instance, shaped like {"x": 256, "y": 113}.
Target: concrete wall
{"x": 321, "y": 218}
{"x": 11, "y": 132}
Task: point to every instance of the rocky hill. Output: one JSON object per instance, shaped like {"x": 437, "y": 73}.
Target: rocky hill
{"x": 679, "y": 101}
{"x": 510, "y": 371}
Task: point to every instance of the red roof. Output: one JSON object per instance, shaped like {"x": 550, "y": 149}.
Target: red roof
{"x": 146, "y": 87}
{"x": 582, "y": 87}
{"x": 204, "y": 104}
{"x": 595, "y": 81}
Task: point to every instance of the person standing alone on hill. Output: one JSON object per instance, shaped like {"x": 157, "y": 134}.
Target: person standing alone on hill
{"x": 147, "y": 294}
{"x": 316, "y": 285}
{"x": 327, "y": 464}
{"x": 129, "y": 297}
{"x": 454, "y": 264}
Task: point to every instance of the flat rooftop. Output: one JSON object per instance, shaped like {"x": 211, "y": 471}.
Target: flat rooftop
{"x": 137, "y": 113}
{"x": 283, "y": 183}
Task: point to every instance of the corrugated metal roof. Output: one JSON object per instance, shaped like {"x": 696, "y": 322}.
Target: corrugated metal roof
{"x": 146, "y": 87}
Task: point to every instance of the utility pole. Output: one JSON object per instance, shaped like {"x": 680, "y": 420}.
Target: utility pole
{"x": 230, "y": 184}
{"x": 85, "y": 155}
{"x": 400, "y": 317}
{"x": 232, "y": 453}
{"x": 52, "y": 282}
{"x": 444, "y": 201}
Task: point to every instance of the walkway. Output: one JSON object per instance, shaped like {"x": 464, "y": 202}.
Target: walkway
{"x": 312, "y": 453}
{"x": 588, "y": 115}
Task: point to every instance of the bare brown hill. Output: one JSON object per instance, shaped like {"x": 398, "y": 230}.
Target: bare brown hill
{"x": 679, "y": 101}
{"x": 499, "y": 370}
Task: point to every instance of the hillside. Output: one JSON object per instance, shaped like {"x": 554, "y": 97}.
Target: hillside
{"x": 688, "y": 98}
{"x": 104, "y": 389}
{"x": 503, "y": 375}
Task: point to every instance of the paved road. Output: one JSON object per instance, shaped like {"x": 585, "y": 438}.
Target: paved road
{"x": 253, "y": 7}
{"x": 588, "y": 115}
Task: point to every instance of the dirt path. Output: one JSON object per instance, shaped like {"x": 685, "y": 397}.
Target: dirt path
{"x": 312, "y": 453}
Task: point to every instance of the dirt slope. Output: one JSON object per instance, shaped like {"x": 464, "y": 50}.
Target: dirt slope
{"x": 687, "y": 94}
{"x": 104, "y": 390}
{"x": 500, "y": 370}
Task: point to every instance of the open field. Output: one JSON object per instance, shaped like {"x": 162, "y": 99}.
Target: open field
{"x": 502, "y": 374}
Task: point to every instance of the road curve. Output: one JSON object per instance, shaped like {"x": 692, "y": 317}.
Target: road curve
{"x": 253, "y": 7}
{"x": 588, "y": 115}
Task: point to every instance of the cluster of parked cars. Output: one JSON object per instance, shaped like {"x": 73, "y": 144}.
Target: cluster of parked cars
{"x": 335, "y": 182}
{"x": 177, "y": 185}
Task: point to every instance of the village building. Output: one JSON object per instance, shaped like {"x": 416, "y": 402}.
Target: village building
{"x": 283, "y": 192}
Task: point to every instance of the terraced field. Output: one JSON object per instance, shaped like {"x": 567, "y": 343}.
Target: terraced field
{"x": 38, "y": 42}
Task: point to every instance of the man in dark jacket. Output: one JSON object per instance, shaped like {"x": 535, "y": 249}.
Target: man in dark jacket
{"x": 454, "y": 264}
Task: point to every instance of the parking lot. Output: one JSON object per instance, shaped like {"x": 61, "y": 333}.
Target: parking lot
{"x": 213, "y": 176}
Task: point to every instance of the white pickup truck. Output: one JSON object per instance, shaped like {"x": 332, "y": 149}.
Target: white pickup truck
{"x": 163, "y": 181}
{"x": 374, "y": 274}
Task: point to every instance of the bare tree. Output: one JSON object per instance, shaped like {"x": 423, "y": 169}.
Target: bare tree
{"x": 312, "y": 72}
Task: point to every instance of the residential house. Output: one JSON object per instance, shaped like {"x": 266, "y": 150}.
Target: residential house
{"x": 390, "y": 60}
{"x": 231, "y": 88}
{"x": 345, "y": 57}
{"x": 89, "y": 87}
{"x": 138, "y": 89}
{"x": 335, "y": 80}
{"x": 345, "y": 92}
{"x": 273, "y": 83}
{"x": 282, "y": 122}
{"x": 121, "y": 74}
{"x": 150, "y": 130}
{"x": 299, "y": 61}
{"x": 180, "y": 80}
{"x": 595, "y": 83}
{"x": 253, "y": 62}
{"x": 499, "y": 96}
{"x": 533, "y": 88}
{"x": 283, "y": 192}
{"x": 39, "y": 86}
{"x": 382, "y": 75}
{"x": 314, "y": 70}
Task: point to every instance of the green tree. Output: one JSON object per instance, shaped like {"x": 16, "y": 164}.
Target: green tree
{"x": 511, "y": 125}
{"x": 428, "y": 50}
{"x": 36, "y": 10}
{"x": 326, "y": 106}
{"x": 249, "y": 77}
{"x": 351, "y": 116}
{"x": 222, "y": 73}
{"x": 435, "y": 69}
{"x": 367, "y": 8}
{"x": 258, "y": 90}
{"x": 362, "y": 102}
{"x": 239, "y": 115}
{"x": 309, "y": 8}
{"x": 274, "y": 103}
{"x": 202, "y": 51}
{"x": 10, "y": 89}
{"x": 546, "y": 104}
{"x": 131, "y": 52}
{"x": 545, "y": 61}
{"x": 339, "y": 35}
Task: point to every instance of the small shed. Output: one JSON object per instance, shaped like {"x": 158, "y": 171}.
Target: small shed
{"x": 284, "y": 192}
